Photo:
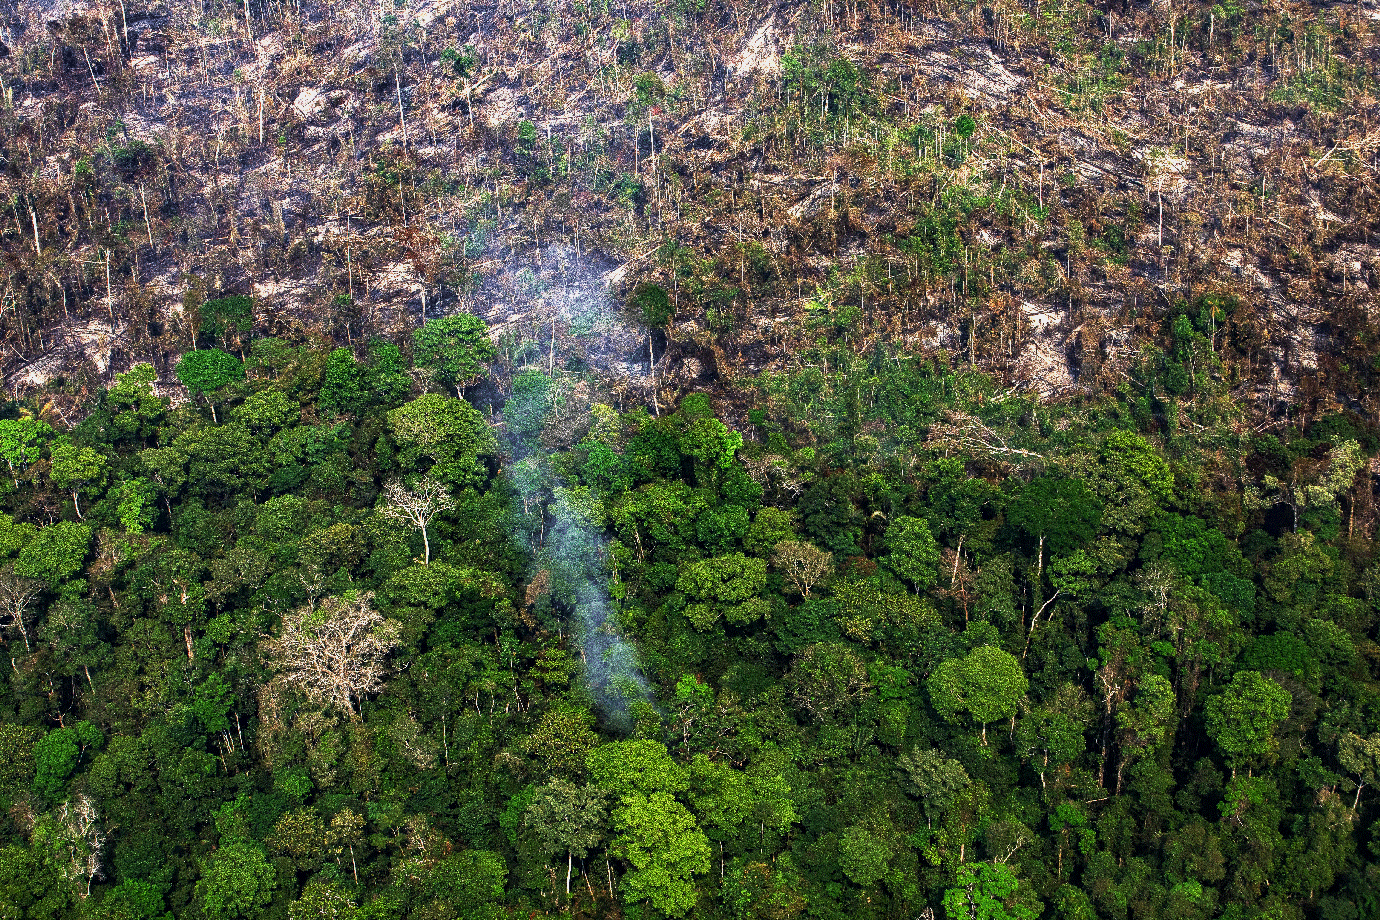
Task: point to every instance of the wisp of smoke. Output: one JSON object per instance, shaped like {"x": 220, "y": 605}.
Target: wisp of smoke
{"x": 574, "y": 553}
{"x": 572, "y": 549}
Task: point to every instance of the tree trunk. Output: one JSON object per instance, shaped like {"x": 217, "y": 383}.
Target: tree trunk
{"x": 427, "y": 544}
{"x": 402, "y": 118}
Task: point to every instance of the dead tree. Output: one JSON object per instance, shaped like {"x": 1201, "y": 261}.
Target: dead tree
{"x": 335, "y": 653}
{"x": 418, "y": 506}
{"x": 17, "y": 596}
{"x": 803, "y": 563}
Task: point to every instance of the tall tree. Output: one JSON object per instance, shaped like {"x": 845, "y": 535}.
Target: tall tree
{"x": 76, "y": 469}
{"x": 204, "y": 372}
{"x": 237, "y": 882}
{"x": 986, "y": 685}
{"x": 912, "y": 552}
{"x": 17, "y": 596}
{"x": 566, "y": 818}
{"x": 988, "y": 891}
{"x": 21, "y": 443}
{"x": 455, "y": 349}
{"x": 1243, "y": 717}
{"x": 335, "y": 652}
{"x": 418, "y": 506}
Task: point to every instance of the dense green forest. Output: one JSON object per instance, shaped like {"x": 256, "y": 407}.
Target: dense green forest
{"x": 432, "y": 632}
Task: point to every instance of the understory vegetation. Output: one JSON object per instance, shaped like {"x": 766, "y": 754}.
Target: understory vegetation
{"x": 296, "y": 647}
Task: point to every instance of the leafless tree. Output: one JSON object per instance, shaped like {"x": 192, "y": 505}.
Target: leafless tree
{"x": 336, "y": 652}
{"x": 17, "y": 596}
{"x": 803, "y": 563}
{"x": 74, "y": 831}
{"x": 417, "y": 506}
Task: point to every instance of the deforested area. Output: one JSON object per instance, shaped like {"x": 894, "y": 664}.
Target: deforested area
{"x": 689, "y": 459}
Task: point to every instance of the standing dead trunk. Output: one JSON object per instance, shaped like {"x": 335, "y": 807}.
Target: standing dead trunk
{"x": 402, "y": 117}
{"x": 651, "y": 365}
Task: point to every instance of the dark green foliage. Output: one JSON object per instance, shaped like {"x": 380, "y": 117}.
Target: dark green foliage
{"x": 653, "y": 305}
{"x": 206, "y": 371}
{"x": 456, "y": 349}
{"x": 1075, "y": 673}
{"x": 224, "y": 316}
{"x": 1060, "y": 514}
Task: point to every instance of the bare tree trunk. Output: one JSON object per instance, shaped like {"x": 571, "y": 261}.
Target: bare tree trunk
{"x": 651, "y": 364}
{"x": 402, "y": 117}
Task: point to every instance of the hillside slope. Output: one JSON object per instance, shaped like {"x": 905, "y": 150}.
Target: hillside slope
{"x": 1035, "y": 189}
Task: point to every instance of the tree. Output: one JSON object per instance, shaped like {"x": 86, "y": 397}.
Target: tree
{"x": 657, "y": 835}
{"x": 727, "y": 800}
{"x": 1242, "y": 718}
{"x": 726, "y": 586}
{"x": 417, "y": 506}
{"x": 73, "y": 838}
{"x": 654, "y": 308}
{"x": 637, "y": 766}
{"x": 21, "y": 443}
{"x": 30, "y": 887}
{"x": 203, "y": 372}
{"x": 336, "y": 652}
{"x": 1054, "y": 730}
{"x": 827, "y": 678}
{"x": 913, "y": 553}
{"x": 57, "y": 754}
{"x": 76, "y": 469}
{"x": 464, "y": 885}
{"x": 562, "y": 740}
{"x": 302, "y": 835}
{"x": 768, "y": 890}
{"x": 132, "y": 899}
{"x": 659, "y": 838}
{"x": 267, "y": 411}
{"x": 769, "y": 528}
{"x": 986, "y": 684}
{"x": 865, "y": 852}
{"x": 17, "y": 596}
{"x": 988, "y": 891}
{"x": 456, "y": 349}
{"x": 1057, "y": 511}
{"x": 342, "y": 384}
{"x": 134, "y": 504}
{"x": 222, "y": 316}
{"x": 322, "y": 900}
{"x": 236, "y": 883}
{"x": 1361, "y": 758}
{"x": 803, "y": 563}
{"x": 566, "y": 818}
{"x": 135, "y": 411}
{"x": 937, "y": 779}
{"x": 1132, "y": 479}
{"x": 1145, "y": 724}
{"x": 448, "y": 432}
{"x": 55, "y": 554}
